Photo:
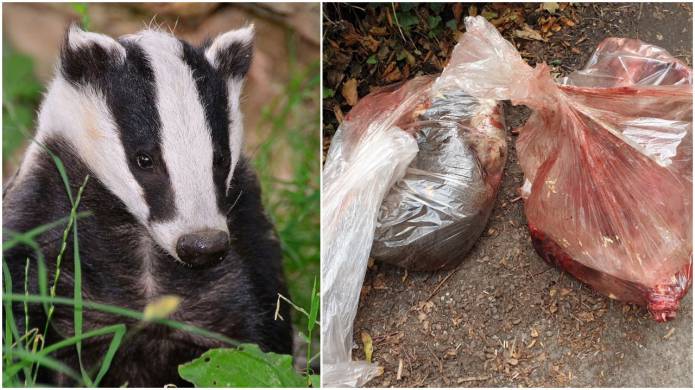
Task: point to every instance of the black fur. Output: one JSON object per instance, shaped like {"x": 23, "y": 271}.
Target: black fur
{"x": 235, "y": 59}
{"x": 235, "y": 297}
{"x": 86, "y": 64}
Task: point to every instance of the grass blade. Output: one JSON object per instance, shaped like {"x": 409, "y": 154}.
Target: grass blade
{"x": 122, "y": 312}
{"x": 119, "y": 332}
{"x": 45, "y": 361}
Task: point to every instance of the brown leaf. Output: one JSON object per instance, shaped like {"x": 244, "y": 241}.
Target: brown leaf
{"x": 406, "y": 71}
{"x": 472, "y": 10}
{"x": 586, "y": 316}
{"x": 553, "y": 308}
{"x": 529, "y": 34}
{"x": 378, "y": 31}
{"x": 394, "y": 75}
{"x": 349, "y": 91}
{"x": 550, "y": 7}
{"x": 568, "y": 22}
{"x": 370, "y": 43}
{"x": 457, "y": 9}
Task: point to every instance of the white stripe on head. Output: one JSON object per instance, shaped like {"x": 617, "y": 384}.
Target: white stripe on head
{"x": 81, "y": 116}
{"x": 236, "y": 126}
{"x": 186, "y": 142}
{"x": 235, "y": 83}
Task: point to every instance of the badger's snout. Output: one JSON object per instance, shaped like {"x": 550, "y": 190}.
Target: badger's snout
{"x": 202, "y": 248}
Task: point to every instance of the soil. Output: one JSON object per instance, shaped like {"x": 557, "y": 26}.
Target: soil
{"x": 505, "y": 317}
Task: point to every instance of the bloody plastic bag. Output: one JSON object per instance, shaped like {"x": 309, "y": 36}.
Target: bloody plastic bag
{"x": 607, "y": 157}
{"x": 433, "y": 215}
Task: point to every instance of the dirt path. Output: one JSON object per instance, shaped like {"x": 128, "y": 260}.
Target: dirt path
{"x": 504, "y": 317}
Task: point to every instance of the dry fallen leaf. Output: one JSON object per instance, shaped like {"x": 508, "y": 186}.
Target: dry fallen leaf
{"x": 457, "y": 9}
{"x": 338, "y": 113}
{"x": 349, "y": 91}
{"x": 368, "y": 347}
{"x": 371, "y": 43}
{"x": 394, "y": 75}
{"x": 550, "y": 7}
{"x": 529, "y": 34}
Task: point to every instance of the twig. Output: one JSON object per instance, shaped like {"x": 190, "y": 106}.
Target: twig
{"x": 436, "y": 289}
{"x": 441, "y": 368}
{"x": 473, "y": 379}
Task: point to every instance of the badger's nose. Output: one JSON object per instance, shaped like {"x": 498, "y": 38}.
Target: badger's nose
{"x": 202, "y": 248}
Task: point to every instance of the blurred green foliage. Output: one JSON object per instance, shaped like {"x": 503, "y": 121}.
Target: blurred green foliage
{"x": 292, "y": 123}
{"x": 20, "y": 98}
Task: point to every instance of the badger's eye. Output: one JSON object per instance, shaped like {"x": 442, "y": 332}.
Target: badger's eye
{"x": 144, "y": 161}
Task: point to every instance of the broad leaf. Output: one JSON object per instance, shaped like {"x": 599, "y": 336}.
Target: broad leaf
{"x": 246, "y": 366}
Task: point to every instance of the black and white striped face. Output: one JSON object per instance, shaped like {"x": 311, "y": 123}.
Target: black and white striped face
{"x": 157, "y": 121}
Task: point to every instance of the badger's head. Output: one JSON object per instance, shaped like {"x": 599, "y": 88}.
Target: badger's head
{"x": 157, "y": 121}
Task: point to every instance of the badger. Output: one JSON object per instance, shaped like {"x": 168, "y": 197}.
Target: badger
{"x": 172, "y": 205}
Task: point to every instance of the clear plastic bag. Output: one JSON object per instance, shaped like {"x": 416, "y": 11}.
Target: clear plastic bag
{"x": 432, "y": 216}
{"x": 369, "y": 152}
{"x": 453, "y": 182}
{"x": 607, "y": 157}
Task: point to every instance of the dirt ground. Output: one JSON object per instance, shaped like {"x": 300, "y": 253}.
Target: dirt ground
{"x": 506, "y": 318}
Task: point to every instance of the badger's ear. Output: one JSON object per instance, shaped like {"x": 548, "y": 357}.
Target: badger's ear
{"x": 231, "y": 52}
{"x": 85, "y": 56}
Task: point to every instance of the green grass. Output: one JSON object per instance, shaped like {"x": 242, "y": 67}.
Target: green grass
{"x": 292, "y": 124}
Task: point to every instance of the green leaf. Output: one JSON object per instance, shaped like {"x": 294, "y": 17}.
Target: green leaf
{"x": 315, "y": 381}
{"x": 328, "y": 93}
{"x": 405, "y": 7}
{"x": 437, "y": 7}
{"x": 372, "y": 60}
{"x": 246, "y": 366}
{"x": 407, "y": 20}
{"x": 434, "y": 21}
{"x": 489, "y": 15}
{"x": 452, "y": 25}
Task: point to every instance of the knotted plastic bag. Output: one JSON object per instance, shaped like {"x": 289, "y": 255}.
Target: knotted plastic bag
{"x": 451, "y": 184}
{"x": 432, "y": 216}
{"x": 607, "y": 157}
